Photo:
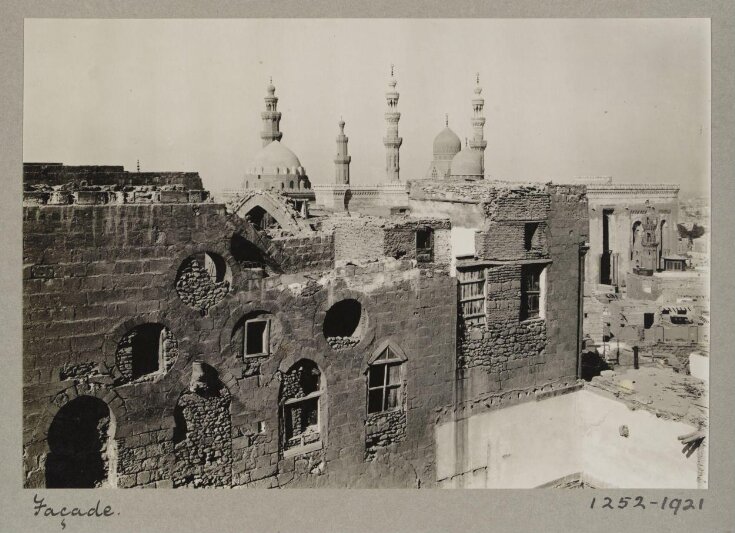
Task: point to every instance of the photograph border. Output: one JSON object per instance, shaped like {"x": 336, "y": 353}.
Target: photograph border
{"x": 387, "y": 509}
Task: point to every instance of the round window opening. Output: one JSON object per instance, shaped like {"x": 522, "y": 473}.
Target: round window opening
{"x": 344, "y": 324}
{"x": 203, "y": 280}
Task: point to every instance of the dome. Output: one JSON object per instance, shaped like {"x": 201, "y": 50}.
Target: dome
{"x": 447, "y": 143}
{"x": 468, "y": 162}
{"x": 275, "y": 158}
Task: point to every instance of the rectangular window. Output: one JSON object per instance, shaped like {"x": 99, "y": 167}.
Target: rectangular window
{"x": 257, "y": 337}
{"x": 530, "y": 291}
{"x": 424, "y": 245}
{"x": 302, "y": 421}
{"x": 472, "y": 295}
{"x": 528, "y": 234}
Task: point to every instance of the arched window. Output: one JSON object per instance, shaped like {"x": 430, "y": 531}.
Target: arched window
{"x": 434, "y": 173}
{"x": 637, "y": 230}
{"x": 300, "y": 402}
{"x": 290, "y": 184}
{"x": 385, "y": 380}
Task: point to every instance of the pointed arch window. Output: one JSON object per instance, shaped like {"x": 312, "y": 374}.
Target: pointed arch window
{"x": 386, "y": 380}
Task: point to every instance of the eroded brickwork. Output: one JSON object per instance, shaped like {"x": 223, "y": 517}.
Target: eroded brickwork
{"x": 95, "y": 273}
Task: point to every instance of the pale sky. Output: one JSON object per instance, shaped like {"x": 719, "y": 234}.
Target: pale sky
{"x": 628, "y": 98}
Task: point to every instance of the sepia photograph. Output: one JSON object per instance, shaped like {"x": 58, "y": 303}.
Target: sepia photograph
{"x": 366, "y": 253}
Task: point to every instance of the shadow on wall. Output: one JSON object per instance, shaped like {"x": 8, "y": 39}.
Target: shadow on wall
{"x": 78, "y": 439}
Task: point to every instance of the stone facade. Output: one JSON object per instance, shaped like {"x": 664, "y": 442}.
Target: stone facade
{"x": 616, "y": 211}
{"x": 322, "y": 354}
{"x": 517, "y": 229}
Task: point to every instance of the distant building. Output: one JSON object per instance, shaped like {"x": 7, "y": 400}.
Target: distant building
{"x": 616, "y": 214}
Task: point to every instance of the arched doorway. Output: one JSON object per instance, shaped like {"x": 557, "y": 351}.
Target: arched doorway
{"x": 80, "y": 455}
{"x": 637, "y": 232}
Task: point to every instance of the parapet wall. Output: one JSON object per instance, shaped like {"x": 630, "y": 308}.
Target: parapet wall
{"x": 56, "y": 174}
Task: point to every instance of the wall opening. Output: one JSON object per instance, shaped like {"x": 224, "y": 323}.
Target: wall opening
{"x": 344, "y": 324}
{"x": 203, "y": 432}
{"x": 424, "y": 245}
{"x": 606, "y": 258}
{"x": 529, "y": 231}
{"x": 472, "y": 295}
{"x": 245, "y": 252}
{"x": 261, "y": 219}
{"x": 144, "y": 351}
{"x": 203, "y": 280}
{"x": 300, "y": 407}
{"x": 253, "y": 337}
{"x": 530, "y": 291}
{"x": 80, "y": 455}
{"x": 647, "y": 320}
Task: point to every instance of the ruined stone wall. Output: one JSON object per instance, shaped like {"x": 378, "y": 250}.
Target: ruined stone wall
{"x": 508, "y": 352}
{"x": 303, "y": 253}
{"x": 94, "y": 273}
{"x": 668, "y": 288}
{"x": 357, "y": 239}
{"x": 53, "y": 174}
{"x": 364, "y": 239}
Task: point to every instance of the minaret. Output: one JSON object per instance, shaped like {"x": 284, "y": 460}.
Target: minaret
{"x": 342, "y": 160}
{"x": 392, "y": 141}
{"x": 271, "y": 117}
{"x": 478, "y": 123}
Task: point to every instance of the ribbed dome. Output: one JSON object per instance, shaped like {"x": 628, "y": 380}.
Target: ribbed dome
{"x": 447, "y": 143}
{"x": 468, "y": 162}
{"x": 275, "y": 158}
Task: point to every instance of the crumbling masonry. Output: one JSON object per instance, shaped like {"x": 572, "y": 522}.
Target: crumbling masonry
{"x": 170, "y": 342}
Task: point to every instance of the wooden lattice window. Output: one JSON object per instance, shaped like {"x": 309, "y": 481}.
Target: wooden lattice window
{"x": 472, "y": 295}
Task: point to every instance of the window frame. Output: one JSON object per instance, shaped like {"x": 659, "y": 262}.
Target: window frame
{"x": 397, "y": 360}
{"x": 266, "y": 340}
{"x": 530, "y": 272}
{"x": 478, "y": 318}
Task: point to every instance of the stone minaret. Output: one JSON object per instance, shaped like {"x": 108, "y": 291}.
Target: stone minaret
{"x": 392, "y": 141}
{"x": 271, "y": 117}
{"x": 342, "y": 160}
{"x": 478, "y": 123}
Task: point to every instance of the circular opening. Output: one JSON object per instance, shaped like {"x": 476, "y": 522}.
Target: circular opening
{"x": 203, "y": 280}
{"x": 344, "y": 324}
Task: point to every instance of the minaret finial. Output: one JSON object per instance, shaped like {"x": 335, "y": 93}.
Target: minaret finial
{"x": 446, "y": 119}
{"x": 478, "y": 78}
{"x": 391, "y": 70}
{"x": 270, "y": 80}
{"x": 138, "y": 165}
